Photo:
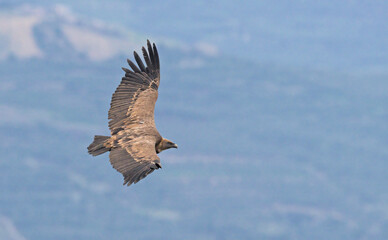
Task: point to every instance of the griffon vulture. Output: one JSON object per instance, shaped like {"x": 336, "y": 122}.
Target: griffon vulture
{"x": 134, "y": 142}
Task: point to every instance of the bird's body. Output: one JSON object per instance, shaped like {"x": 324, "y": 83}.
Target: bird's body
{"x": 134, "y": 141}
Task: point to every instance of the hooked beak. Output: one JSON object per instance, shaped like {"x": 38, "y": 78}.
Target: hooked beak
{"x": 175, "y": 146}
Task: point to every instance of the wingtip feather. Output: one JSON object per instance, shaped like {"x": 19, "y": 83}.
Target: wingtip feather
{"x": 126, "y": 70}
{"x": 133, "y": 66}
{"x": 139, "y": 61}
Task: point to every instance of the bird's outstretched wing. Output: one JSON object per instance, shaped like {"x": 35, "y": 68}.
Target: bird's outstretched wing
{"x": 133, "y": 102}
{"x": 131, "y": 117}
{"x": 137, "y": 160}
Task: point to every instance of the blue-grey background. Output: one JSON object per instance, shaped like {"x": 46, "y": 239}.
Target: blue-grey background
{"x": 279, "y": 109}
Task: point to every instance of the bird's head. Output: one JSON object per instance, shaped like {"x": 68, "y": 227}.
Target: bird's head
{"x": 165, "y": 144}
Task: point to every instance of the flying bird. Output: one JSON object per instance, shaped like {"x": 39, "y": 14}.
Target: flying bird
{"x": 134, "y": 142}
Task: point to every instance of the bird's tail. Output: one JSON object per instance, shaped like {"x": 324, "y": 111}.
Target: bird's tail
{"x": 98, "y": 147}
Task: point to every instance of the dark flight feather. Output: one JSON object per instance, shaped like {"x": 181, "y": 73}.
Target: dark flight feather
{"x": 139, "y": 62}
{"x": 133, "y": 66}
{"x": 151, "y": 53}
{"x": 156, "y": 58}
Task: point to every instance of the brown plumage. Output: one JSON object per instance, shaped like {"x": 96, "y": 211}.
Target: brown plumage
{"x": 135, "y": 141}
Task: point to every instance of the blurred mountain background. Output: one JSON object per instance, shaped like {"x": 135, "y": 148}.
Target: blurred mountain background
{"x": 279, "y": 110}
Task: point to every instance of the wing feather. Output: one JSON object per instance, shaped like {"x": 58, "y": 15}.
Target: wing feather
{"x": 151, "y": 53}
{"x": 139, "y": 62}
{"x": 156, "y": 57}
{"x": 147, "y": 59}
{"x": 133, "y": 66}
